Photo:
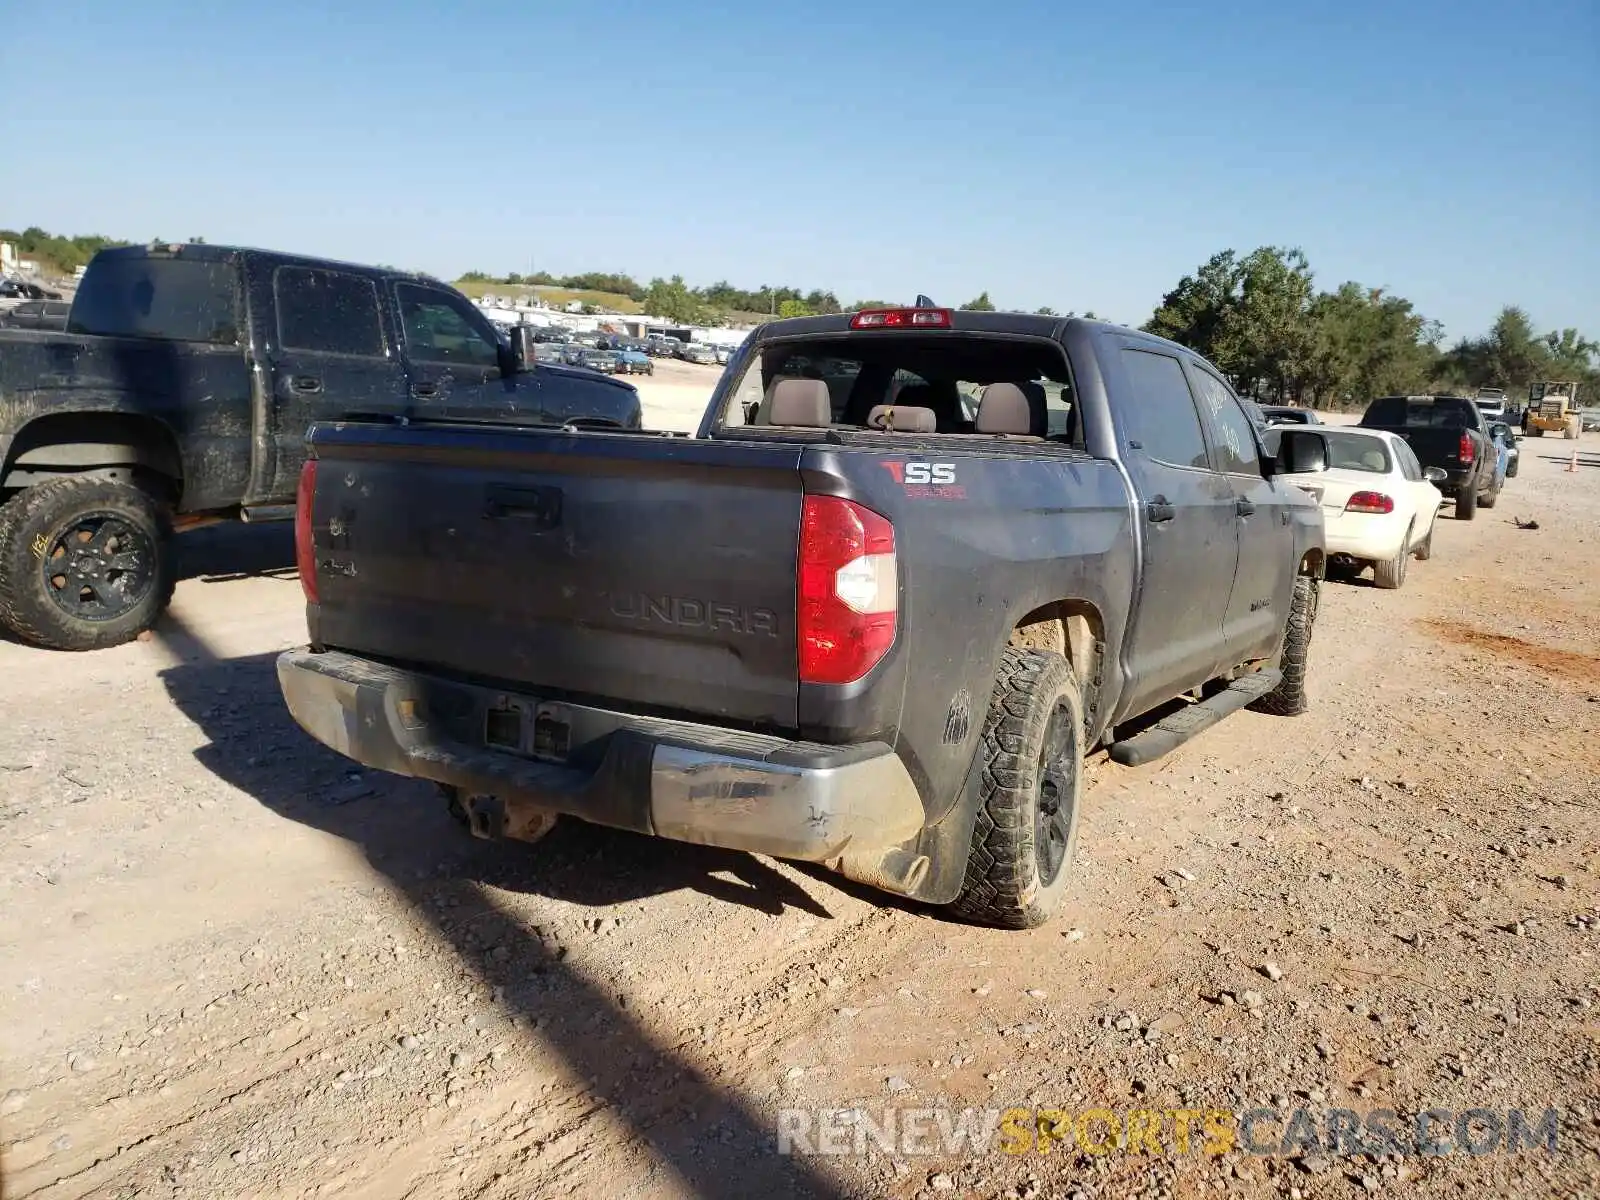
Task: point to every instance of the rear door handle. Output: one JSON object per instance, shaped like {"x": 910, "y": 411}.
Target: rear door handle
{"x": 1245, "y": 507}
{"x": 1160, "y": 509}
{"x": 306, "y": 384}
{"x": 423, "y": 391}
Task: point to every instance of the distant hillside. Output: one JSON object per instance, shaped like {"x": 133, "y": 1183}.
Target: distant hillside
{"x": 555, "y": 296}
{"x": 56, "y": 255}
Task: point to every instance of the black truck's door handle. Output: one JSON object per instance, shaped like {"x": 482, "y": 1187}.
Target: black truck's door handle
{"x": 306, "y": 384}
{"x": 1160, "y": 509}
{"x": 424, "y": 390}
{"x": 1245, "y": 506}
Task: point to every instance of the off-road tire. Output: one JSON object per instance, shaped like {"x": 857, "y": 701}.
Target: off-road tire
{"x": 1037, "y": 711}
{"x": 1511, "y": 467}
{"x": 1424, "y": 550}
{"x": 1289, "y": 699}
{"x": 1467, "y": 503}
{"x": 37, "y": 518}
{"x": 1391, "y": 574}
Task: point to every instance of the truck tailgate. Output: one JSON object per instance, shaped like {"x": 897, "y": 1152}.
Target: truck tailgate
{"x": 612, "y": 568}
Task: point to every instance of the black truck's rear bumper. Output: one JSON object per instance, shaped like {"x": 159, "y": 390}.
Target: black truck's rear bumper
{"x": 688, "y": 782}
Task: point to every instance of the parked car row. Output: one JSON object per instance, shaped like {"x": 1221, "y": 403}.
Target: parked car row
{"x": 1386, "y": 478}
{"x": 36, "y": 314}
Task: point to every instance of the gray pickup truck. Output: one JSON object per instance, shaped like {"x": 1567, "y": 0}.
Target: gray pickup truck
{"x": 912, "y": 568}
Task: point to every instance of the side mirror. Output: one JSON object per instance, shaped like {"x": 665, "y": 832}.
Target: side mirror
{"x": 1300, "y": 452}
{"x": 522, "y": 355}
{"x": 1434, "y": 474}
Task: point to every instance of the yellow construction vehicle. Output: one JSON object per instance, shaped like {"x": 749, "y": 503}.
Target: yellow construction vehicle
{"x": 1553, "y": 408}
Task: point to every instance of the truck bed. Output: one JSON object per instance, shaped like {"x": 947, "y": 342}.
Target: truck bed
{"x": 630, "y": 568}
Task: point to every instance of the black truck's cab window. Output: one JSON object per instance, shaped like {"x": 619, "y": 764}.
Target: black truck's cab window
{"x": 440, "y": 328}
{"x": 327, "y": 311}
{"x": 174, "y": 299}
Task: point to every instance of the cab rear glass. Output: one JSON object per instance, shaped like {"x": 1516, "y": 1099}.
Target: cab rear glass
{"x": 944, "y": 373}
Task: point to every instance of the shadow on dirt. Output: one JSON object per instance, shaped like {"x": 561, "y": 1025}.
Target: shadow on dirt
{"x": 1566, "y": 459}
{"x": 706, "y": 1134}
{"x": 235, "y": 550}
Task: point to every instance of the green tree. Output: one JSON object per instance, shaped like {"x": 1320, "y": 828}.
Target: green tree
{"x": 981, "y": 303}
{"x": 1366, "y": 344}
{"x": 1046, "y": 311}
{"x": 794, "y": 308}
{"x": 1250, "y": 316}
{"x": 672, "y": 299}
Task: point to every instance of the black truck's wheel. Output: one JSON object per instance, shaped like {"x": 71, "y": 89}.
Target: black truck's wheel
{"x": 85, "y": 563}
{"x": 1467, "y": 502}
{"x": 1288, "y": 699}
{"x": 1031, "y": 788}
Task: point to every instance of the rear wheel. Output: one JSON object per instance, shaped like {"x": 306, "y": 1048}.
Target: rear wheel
{"x": 85, "y": 563}
{"x": 1487, "y": 501}
{"x": 1032, "y": 783}
{"x": 1289, "y": 699}
{"x": 1467, "y": 503}
{"x": 1511, "y": 467}
{"x": 1391, "y": 573}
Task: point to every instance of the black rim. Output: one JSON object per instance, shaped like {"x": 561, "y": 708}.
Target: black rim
{"x": 99, "y": 568}
{"x": 1052, "y": 819}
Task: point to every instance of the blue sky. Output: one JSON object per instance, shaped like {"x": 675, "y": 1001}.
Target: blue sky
{"x": 1081, "y": 156}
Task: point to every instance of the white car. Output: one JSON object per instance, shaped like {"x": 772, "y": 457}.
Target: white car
{"x": 1378, "y": 502}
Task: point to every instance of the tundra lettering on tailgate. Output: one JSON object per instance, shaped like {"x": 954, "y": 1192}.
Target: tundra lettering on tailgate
{"x": 683, "y": 612}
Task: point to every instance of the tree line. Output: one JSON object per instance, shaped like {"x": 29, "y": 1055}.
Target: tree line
{"x": 1259, "y": 317}
{"x": 64, "y": 254}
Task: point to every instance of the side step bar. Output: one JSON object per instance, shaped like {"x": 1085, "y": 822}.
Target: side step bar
{"x": 1167, "y": 734}
{"x": 267, "y": 512}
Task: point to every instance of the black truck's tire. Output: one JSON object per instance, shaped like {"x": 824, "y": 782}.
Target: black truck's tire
{"x": 1390, "y": 575}
{"x": 1031, "y": 791}
{"x": 1467, "y": 502}
{"x": 113, "y": 544}
{"x": 1289, "y": 699}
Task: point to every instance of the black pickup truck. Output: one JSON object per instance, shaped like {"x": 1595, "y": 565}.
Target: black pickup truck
{"x": 181, "y": 391}
{"x": 912, "y": 567}
{"x": 1448, "y": 432}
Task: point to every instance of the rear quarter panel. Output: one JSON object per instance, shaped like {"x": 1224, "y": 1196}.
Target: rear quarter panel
{"x": 1019, "y": 526}
{"x": 201, "y": 394}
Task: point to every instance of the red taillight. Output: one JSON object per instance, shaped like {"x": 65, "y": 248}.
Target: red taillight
{"x": 1468, "y": 451}
{"x": 1370, "y": 502}
{"x": 901, "y": 318}
{"x": 304, "y": 553}
{"x": 849, "y": 586}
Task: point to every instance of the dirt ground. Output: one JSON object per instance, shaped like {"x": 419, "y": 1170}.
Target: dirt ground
{"x": 237, "y": 966}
